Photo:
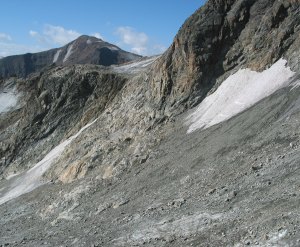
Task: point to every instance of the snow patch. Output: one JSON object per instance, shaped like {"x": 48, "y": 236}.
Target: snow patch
{"x": 32, "y": 179}
{"x": 113, "y": 48}
{"x": 8, "y": 99}
{"x": 56, "y": 56}
{"x": 69, "y": 52}
{"x": 134, "y": 67}
{"x": 88, "y": 42}
{"x": 237, "y": 93}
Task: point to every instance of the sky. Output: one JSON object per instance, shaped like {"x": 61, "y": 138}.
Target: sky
{"x": 141, "y": 26}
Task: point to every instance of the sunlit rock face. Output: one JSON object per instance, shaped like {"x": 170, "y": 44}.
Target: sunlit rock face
{"x": 216, "y": 41}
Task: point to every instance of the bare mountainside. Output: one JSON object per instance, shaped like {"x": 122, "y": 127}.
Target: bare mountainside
{"x": 83, "y": 50}
{"x": 196, "y": 147}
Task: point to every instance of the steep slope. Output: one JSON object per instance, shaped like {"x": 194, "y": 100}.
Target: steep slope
{"x": 216, "y": 41}
{"x": 55, "y": 101}
{"x": 232, "y": 184}
{"x": 83, "y": 50}
{"x": 108, "y": 153}
{"x": 61, "y": 100}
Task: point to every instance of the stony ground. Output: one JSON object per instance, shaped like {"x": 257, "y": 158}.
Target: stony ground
{"x": 233, "y": 184}
{"x": 135, "y": 177}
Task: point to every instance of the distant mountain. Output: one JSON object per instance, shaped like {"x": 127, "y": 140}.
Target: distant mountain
{"x": 83, "y": 50}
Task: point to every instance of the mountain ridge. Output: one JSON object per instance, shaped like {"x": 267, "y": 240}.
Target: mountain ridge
{"x": 83, "y": 50}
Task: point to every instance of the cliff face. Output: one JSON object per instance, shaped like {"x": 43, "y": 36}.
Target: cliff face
{"x": 84, "y": 50}
{"x": 55, "y": 101}
{"x": 218, "y": 39}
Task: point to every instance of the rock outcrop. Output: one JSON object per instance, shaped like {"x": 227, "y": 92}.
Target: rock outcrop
{"x": 218, "y": 39}
{"x": 56, "y": 101}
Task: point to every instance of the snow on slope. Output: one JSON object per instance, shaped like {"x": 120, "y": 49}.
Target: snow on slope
{"x": 32, "y": 179}
{"x": 113, "y": 48}
{"x": 56, "y": 56}
{"x": 237, "y": 93}
{"x": 135, "y": 66}
{"x": 69, "y": 52}
{"x": 8, "y": 100}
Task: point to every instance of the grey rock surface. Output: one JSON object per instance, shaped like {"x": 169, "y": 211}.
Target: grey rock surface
{"x": 134, "y": 177}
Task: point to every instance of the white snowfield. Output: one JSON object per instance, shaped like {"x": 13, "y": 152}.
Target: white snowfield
{"x": 113, "y": 48}
{"x": 136, "y": 66}
{"x": 8, "y": 99}
{"x": 69, "y": 52}
{"x": 56, "y": 56}
{"x": 237, "y": 93}
{"x": 32, "y": 179}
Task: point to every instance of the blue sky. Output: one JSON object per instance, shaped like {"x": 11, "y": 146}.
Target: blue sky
{"x": 141, "y": 26}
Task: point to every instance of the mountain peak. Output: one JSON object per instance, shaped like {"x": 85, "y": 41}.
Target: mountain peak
{"x": 83, "y": 50}
{"x": 87, "y": 37}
